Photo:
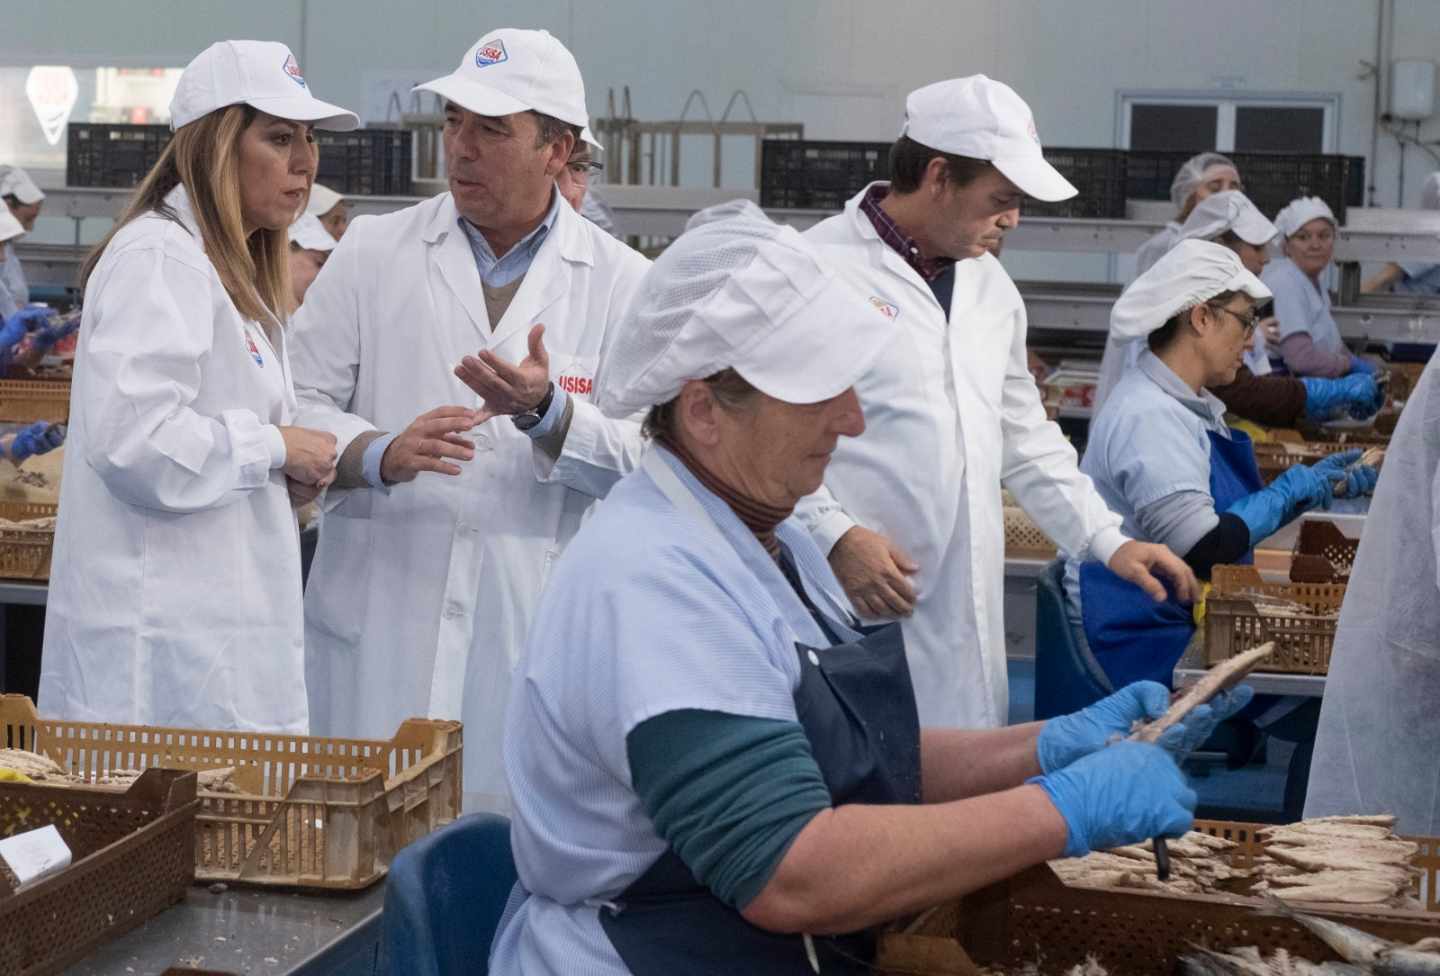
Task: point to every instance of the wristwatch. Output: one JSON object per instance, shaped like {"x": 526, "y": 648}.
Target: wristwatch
{"x": 531, "y": 417}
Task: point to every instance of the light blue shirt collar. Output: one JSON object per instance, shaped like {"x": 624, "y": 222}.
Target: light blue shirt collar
{"x": 1204, "y": 404}
{"x": 501, "y": 271}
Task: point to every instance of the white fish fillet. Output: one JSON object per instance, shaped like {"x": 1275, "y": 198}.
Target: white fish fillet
{"x": 1223, "y": 675}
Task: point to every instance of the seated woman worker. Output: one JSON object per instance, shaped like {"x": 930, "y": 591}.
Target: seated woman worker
{"x": 1162, "y": 457}
{"x": 714, "y": 769}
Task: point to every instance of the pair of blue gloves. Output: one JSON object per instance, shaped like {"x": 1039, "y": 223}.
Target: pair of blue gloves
{"x": 1356, "y": 395}
{"x": 39, "y": 438}
{"x": 1113, "y": 792}
{"x": 1302, "y": 488}
{"x": 42, "y": 322}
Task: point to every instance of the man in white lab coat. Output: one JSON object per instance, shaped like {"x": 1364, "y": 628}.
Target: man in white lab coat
{"x": 911, "y": 512}
{"x": 454, "y": 346}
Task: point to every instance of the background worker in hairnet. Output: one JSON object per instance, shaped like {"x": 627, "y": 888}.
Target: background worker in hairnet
{"x": 1201, "y": 176}
{"x": 330, "y": 208}
{"x": 310, "y": 247}
{"x": 1310, "y": 339}
{"x": 23, "y": 199}
{"x": 1373, "y": 750}
{"x": 452, "y": 348}
{"x": 708, "y": 760}
{"x": 1162, "y": 456}
{"x": 1411, "y": 277}
{"x": 911, "y": 513}
{"x": 1229, "y": 219}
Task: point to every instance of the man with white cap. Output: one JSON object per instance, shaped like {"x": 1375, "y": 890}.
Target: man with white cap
{"x": 1198, "y": 177}
{"x": 23, "y": 199}
{"x": 708, "y": 759}
{"x": 330, "y": 208}
{"x": 1162, "y": 456}
{"x": 1310, "y": 339}
{"x": 483, "y": 308}
{"x": 952, "y": 412}
{"x": 310, "y": 247}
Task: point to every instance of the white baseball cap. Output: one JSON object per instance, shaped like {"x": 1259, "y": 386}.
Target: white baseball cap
{"x": 261, "y": 74}
{"x": 1190, "y": 273}
{"x": 1230, "y": 210}
{"x": 322, "y": 200}
{"x": 15, "y": 182}
{"x": 1298, "y": 213}
{"x": 741, "y": 293}
{"x": 310, "y": 234}
{"x": 10, "y": 228}
{"x": 512, "y": 70}
{"x": 985, "y": 119}
{"x": 588, "y": 137}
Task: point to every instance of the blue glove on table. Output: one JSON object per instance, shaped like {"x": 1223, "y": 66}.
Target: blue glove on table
{"x": 39, "y": 438}
{"x": 1357, "y": 395}
{"x": 17, "y": 326}
{"x": 1124, "y": 794}
{"x": 1360, "y": 365}
{"x": 1297, "y": 490}
{"x": 1359, "y": 480}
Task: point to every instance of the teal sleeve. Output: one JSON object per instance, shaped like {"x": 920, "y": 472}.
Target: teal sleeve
{"x": 730, "y": 793}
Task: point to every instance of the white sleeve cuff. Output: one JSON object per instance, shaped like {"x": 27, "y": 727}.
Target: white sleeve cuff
{"x": 829, "y": 528}
{"x": 276, "y": 443}
{"x": 1105, "y": 543}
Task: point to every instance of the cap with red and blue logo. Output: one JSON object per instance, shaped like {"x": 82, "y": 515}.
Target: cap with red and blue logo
{"x": 261, "y": 74}
{"x": 513, "y": 70}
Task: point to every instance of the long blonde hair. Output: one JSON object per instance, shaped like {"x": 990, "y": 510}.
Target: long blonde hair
{"x": 205, "y": 157}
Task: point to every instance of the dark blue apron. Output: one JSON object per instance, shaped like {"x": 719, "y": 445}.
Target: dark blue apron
{"x": 1132, "y": 637}
{"x": 857, "y": 707}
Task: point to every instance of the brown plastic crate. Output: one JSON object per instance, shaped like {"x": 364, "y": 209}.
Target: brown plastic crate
{"x": 26, "y": 401}
{"x": 311, "y": 812}
{"x": 1037, "y": 917}
{"x": 1024, "y": 538}
{"x": 132, "y": 860}
{"x": 1323, "y": 554}
{"x": 1233, "y": 624}
{"x": 1274, "y": 458}
{"x": 25, "y": 550}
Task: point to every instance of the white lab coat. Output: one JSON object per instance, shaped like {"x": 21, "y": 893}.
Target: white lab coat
{"x": 419, "y": 599}
{"x": 175, "y": 584}
{"x": 951, "y": 412}
{"x": 1375, "y": 748}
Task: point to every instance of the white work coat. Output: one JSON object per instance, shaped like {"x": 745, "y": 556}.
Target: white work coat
{"x": 951, "y": 412}
{"x": 1374, "y": 749}
{"x": 420, "y": 597}
{"x": 175, "y": 585}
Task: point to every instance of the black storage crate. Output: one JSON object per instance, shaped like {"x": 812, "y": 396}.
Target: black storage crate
{"x": 1099, "y": 175}
{"x": 1271, "y": 180}
{"x": 807, "y": 175}
{"x": 369, "y": 162}
{"x": 104, "y": 154}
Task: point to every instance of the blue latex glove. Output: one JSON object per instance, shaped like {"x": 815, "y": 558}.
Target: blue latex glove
{"x": 27, "y": 320}
{"x": 1357, "y": 394}
{"x": 58, "y": 328}
{"x": 1200, "y": 723}
{"x": 1123, "y": 794}
{"x": 39, "y": 438}
{"x": 1336, "y": 468}
{"x": 1297, "y": 490}
{"x": 1360, "y": 365}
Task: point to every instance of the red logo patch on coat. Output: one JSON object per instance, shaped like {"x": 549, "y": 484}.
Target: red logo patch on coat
{"x": 576, "y": 382}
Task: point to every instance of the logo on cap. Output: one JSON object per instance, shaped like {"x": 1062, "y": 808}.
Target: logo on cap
{"x": 888, "y": 309}
{"x": 490, "y": 52}
{"x": 293, "y": 70}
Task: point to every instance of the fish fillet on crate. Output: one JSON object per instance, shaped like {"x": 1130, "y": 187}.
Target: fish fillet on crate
{"x": 1243, "y": 611}
{"x": 299, "y": 811}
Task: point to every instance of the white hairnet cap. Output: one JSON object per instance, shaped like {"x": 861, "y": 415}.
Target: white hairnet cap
{"x": 1190, "y": 273}
{"x": 1430, "y": 192}
{"x": 15, "y": 182}
{"x": 744, "y": 293}
{"x": 310, "y": 234}
{"x": 1230, "y": 210}
{"x": 1298, "y": 213}
{"x": 728, "y": 210}
{"x": 322, "y": 200}
{"x": 1192, "y": 173}
{"x": 10, "y": 228}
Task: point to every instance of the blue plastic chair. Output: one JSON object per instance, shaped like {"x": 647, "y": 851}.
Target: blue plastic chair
{"x": 444, "y": 897}
{"x": 1067, "y": 676}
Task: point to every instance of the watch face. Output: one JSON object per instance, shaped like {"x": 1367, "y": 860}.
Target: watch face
{"x": 524, "y": 421}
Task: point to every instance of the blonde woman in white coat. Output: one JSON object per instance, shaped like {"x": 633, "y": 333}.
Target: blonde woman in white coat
{"x": 175, "y": 589}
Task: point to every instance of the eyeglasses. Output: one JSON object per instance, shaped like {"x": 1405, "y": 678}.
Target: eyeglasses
{"x": 1247, "y": 322}
{"x": 583, "y": 169}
